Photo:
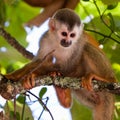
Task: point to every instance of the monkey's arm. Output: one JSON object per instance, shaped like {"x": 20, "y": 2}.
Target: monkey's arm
{"x": 24, "y": 71}
{"x": 31, "y": 70}
{"x": 24, "y": 74}
{"x": 96, "y": 66}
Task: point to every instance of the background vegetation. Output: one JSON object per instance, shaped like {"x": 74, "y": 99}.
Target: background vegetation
{"x": 101, "y": 19}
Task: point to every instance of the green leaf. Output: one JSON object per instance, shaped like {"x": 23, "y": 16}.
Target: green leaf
{"x": 116, "y": 68}
{"x": 21, "y": 99}
{"x": 42, "y": 92}
{"x": 12, "y": 115}
{"x": 112, "y": 6}
{"x": 112, "y": 25}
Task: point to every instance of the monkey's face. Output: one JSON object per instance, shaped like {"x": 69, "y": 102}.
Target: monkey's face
{"x": 67, "y": 37}
{"x": 64, "y": 35}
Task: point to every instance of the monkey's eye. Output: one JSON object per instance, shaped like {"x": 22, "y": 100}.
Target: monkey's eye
{"x": 72, "y": 35}
{"x": 64, "y": 33}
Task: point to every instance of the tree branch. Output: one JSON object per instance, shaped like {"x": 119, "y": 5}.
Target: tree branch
{"x": 9, "y": 89}
{"x": 102, "y": 18}
{"x": 14, "y": 43}
{"x": 106, "y": 36}
{"x": 49, "y": 9}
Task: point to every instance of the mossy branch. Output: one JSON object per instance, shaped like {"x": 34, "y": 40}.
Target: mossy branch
{"x": 9, "y": 89}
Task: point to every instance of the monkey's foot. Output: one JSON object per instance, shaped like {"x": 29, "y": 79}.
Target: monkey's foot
{"x": 64, "y": 96}
{"x": 87, "y": 81}
{"x": 29, "y": 82}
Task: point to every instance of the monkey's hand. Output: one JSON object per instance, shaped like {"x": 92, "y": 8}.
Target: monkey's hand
{"x": 29, "y": 81}
{"x": 63, "y": 94}
{"x": 87, "y": 81}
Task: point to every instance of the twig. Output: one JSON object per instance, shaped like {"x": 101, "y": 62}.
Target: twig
{"x": 23, "y": 110}
{"x": 44, "y": 106}
{"x": 106, "y": 36}
{"x": 43, "y": 109}
{"x": 101, "y": 17}
{"x": 15, "y": 116}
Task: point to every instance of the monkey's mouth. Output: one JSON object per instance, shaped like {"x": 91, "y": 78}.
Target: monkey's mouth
{"x": 65, "y": 43}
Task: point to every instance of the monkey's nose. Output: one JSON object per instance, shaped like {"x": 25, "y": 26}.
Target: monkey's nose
{"x": 65, "y": 43}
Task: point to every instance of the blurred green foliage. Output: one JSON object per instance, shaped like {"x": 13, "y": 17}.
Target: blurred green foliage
{"x": 13, "y": 15}
{"x": 9, "y": 110}
{"x": 102, "y": 17}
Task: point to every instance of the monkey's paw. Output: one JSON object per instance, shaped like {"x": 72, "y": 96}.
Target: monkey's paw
{"x": 87, "y": 81}
{"x": 29, "y": 82}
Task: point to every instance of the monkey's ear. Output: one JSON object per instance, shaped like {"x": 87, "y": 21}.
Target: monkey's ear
{"x": 52, "y": 24}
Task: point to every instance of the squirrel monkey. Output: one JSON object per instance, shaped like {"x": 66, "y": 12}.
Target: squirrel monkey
{"x": 75, "y": 56}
